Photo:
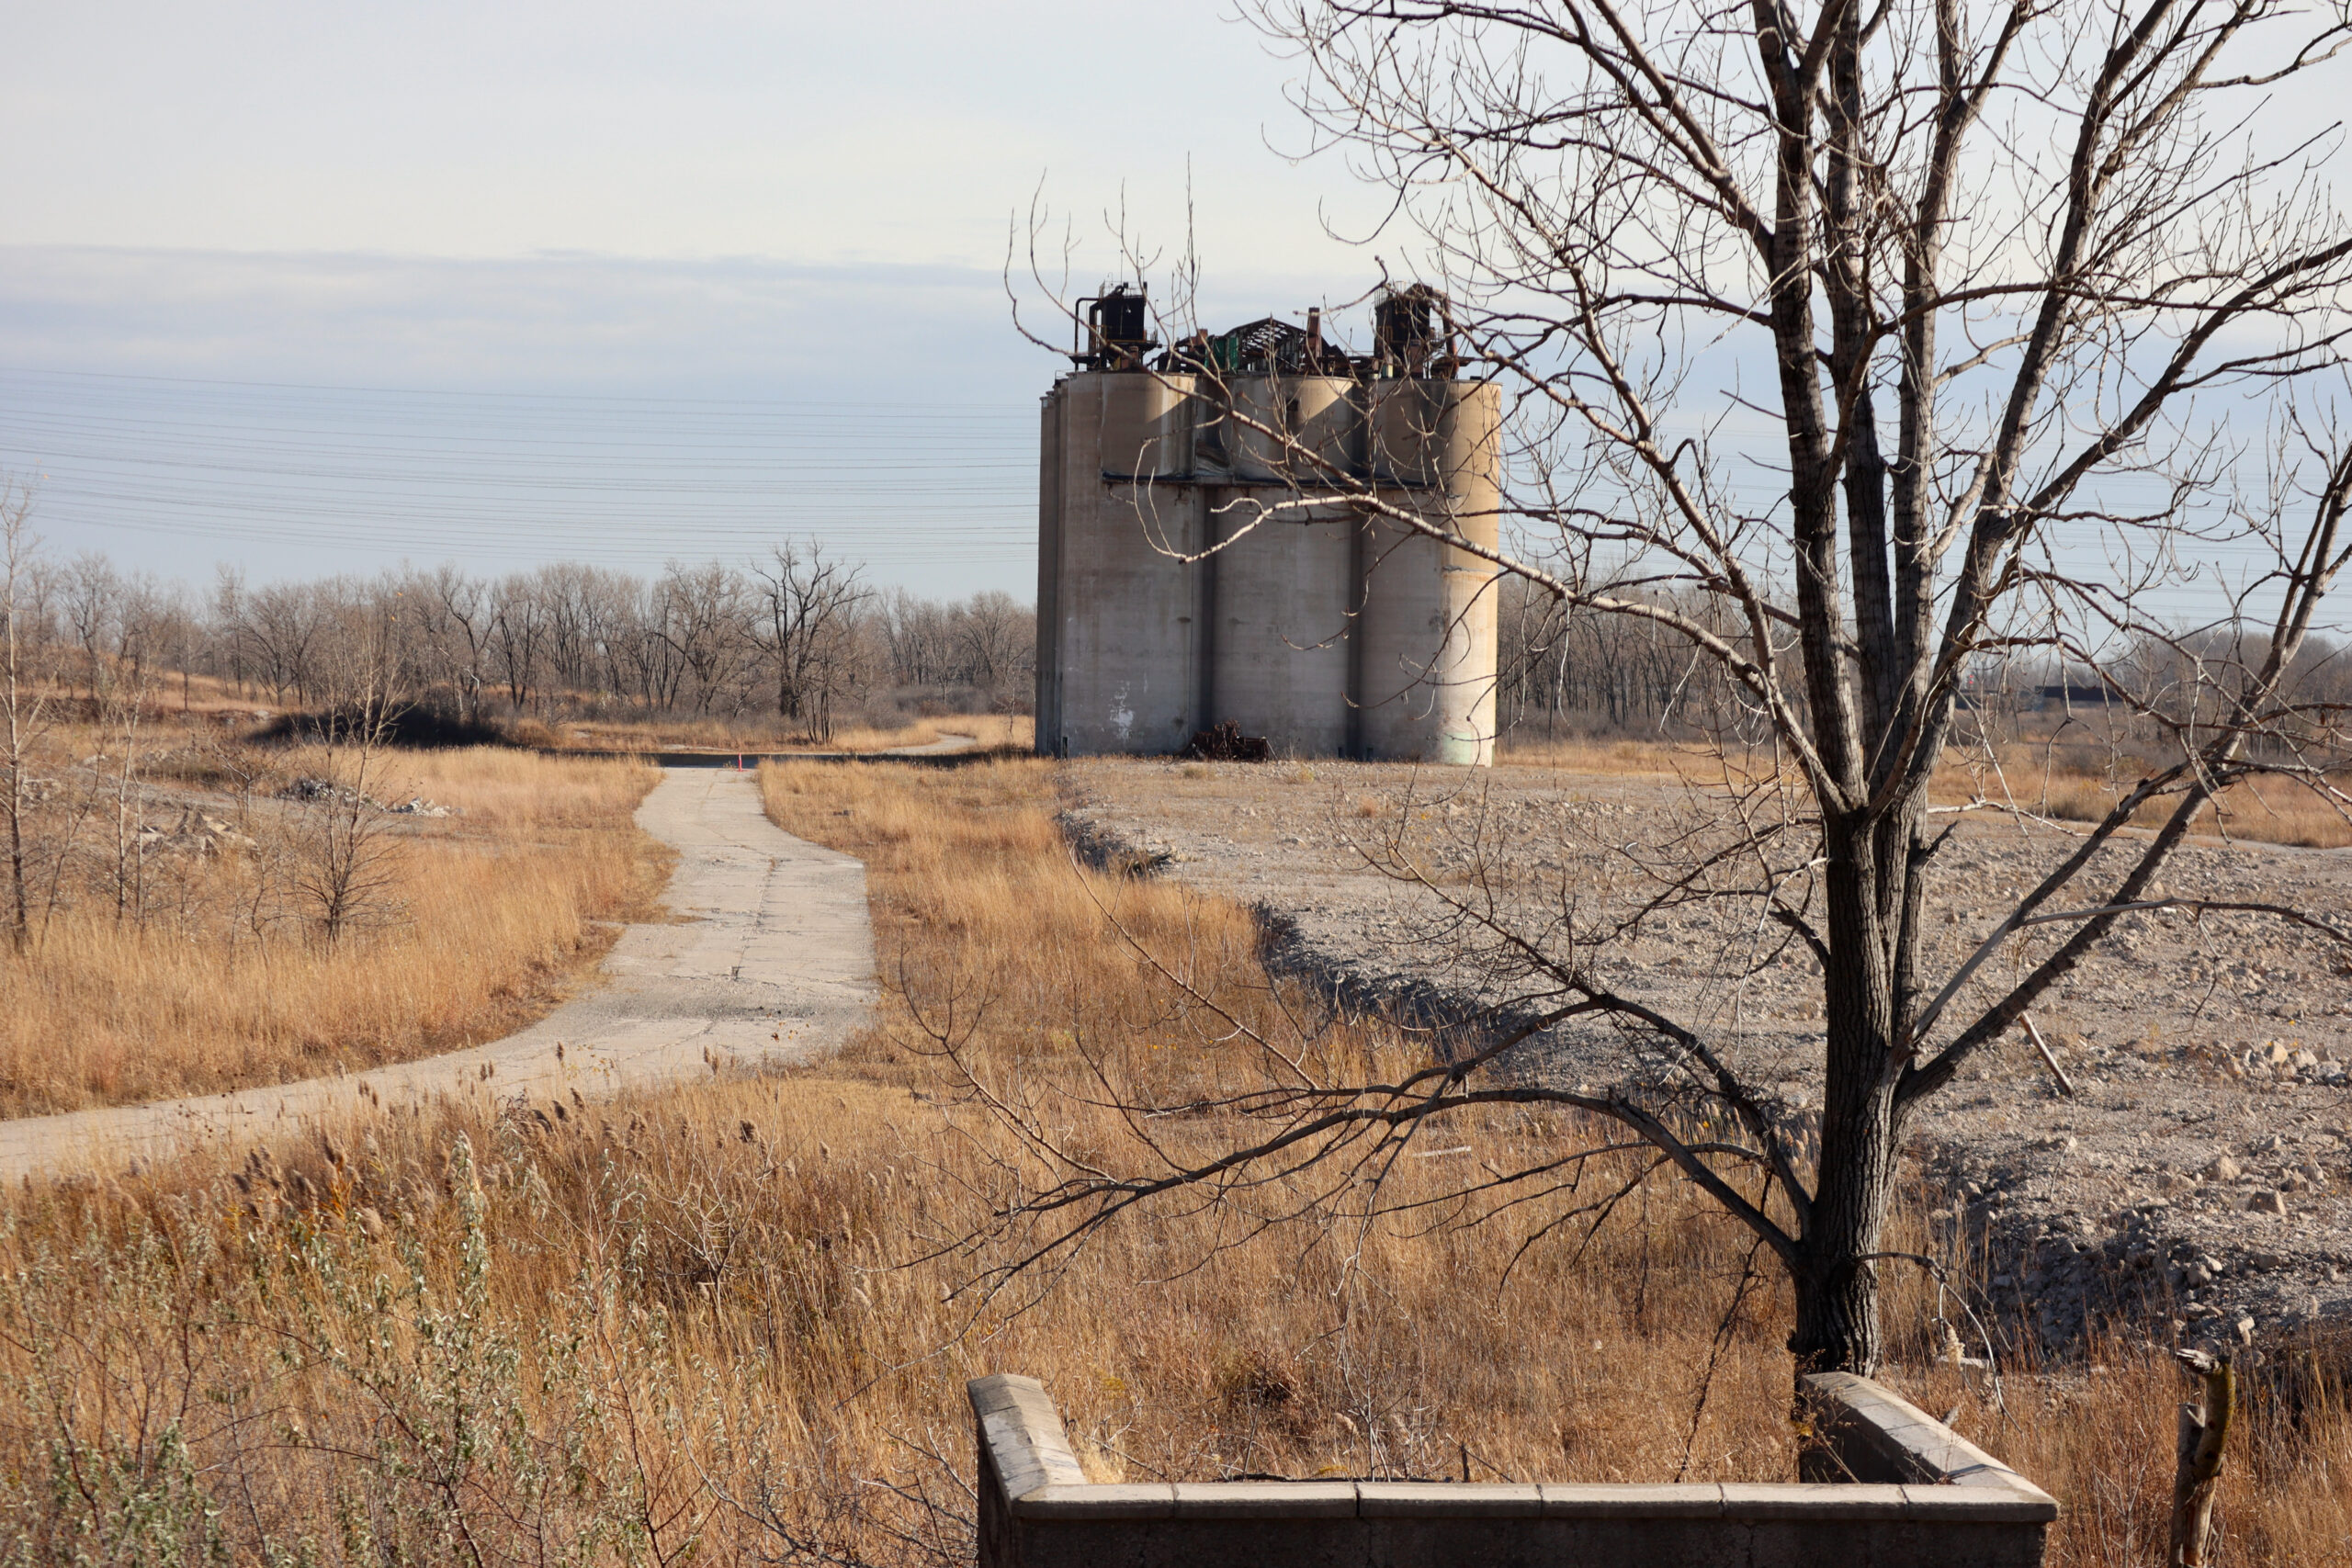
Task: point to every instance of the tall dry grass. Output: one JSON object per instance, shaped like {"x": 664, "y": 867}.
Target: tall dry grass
{"x": 731, "y": 1322}
{"x": 486, "y": 918}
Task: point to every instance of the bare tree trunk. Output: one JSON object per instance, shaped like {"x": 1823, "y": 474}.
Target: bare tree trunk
{"x": 23, "y": 715}
{"x": 2197, "y": 1474}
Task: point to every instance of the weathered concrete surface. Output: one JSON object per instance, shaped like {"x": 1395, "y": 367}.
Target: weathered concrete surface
{"x": 770, "y": 953}
{"x": 1920, "y": 1497}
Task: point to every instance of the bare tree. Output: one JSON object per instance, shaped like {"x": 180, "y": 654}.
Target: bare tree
{"x": 518, "y": 632}
{"x": 809, "y": 605}
{"x": 344, "y": 864}
{"x": 93, "y": 591}
{"x": 452, "y": 616}
{"x": 704, "y": 621}
{"x": 1972, "y": 271}
{"x": 125, "y": 707}
{"x": 25, "y": 711}
{"x": 997, "y": 636}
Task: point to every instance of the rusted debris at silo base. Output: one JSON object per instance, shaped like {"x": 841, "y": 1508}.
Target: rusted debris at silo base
{"x": 1225, "y": 743}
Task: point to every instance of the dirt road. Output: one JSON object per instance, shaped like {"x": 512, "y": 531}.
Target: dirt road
{"x": 769, "y": 954}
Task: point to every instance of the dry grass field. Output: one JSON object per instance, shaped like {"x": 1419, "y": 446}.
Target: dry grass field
{"x": 217, "y": 979}
{"x": 731, "y": 1322}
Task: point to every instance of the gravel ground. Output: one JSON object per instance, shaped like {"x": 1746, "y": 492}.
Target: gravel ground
{"x": 2201, "y": 1173}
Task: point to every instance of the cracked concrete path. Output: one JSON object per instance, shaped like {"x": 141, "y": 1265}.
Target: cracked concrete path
{"x": 769, "y": 954}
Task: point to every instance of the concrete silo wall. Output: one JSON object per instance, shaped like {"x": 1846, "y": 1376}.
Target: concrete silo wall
{"x": 1121, "y": 672}
{"x": 1426, "y": 663}
{"x": 1324, "y": 631}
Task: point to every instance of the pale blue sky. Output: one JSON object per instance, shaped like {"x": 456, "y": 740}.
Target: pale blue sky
{"x": 304, "y": 286}
{"x": 307, "y": 288}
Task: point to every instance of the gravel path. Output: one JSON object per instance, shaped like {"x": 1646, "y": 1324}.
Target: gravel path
{"x": 770, "y": 953}
{"x": 2201, "y": 1173}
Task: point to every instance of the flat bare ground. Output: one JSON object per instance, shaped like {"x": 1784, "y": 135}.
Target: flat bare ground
{"x": 2107, "y": 1200}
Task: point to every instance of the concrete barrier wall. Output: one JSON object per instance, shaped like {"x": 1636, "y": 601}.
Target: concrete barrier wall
{"x": 1920, "y": 1497}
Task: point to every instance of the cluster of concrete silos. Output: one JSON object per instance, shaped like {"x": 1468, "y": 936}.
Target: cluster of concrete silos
{"x": 1319, "y": 625}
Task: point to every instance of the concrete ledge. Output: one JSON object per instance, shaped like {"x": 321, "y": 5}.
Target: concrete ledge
{"x": 2025, "y": 1504}
{"x": 1023, "y": 1433}
{"x": 1444, "y": 1499}
{"x": 1265, "y": 1499}
{"x": 1924, "y": 1497}
{"x": 1156, "y": 1501}
{"x": 1876, "y": 1435}
{"x": 1567, "y": 1500}
{"x": 1814, "y": 1500}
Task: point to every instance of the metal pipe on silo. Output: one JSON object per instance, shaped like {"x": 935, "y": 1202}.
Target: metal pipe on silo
{"x": 1050, "y": 573}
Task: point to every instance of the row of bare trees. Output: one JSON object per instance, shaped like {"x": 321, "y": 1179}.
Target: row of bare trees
{"x": 798, "y": 637}
{"x": 84, "y": 657}
{"x": 1565, "y": 672}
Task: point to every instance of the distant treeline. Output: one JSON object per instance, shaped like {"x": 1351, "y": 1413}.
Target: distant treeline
{"x": 1564, "y": 672}
{"x": 801, "y": 644}
{"x": 798, "y": 642}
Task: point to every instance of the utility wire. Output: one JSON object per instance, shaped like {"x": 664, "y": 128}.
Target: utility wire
{"x": 601, "y": 478}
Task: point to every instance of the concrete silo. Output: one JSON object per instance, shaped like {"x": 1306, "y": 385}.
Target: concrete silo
{"x": 1212, "y": 545}
{"x": 1425, "y": 681}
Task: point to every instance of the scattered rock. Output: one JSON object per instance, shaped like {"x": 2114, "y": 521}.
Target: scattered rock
{"x": 2224, "y": 1169}
{"x": 196, "y": 833}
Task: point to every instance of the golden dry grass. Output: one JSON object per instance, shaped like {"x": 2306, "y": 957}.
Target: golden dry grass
{"x": 1517, "y": 748}
{"x": 2265, "y": 809}
{"x": 489, "y": 915}
{"x": 1582, "y": 1365}
{"x": 2061, "y": 787}
{"x": 731, "y": 1317}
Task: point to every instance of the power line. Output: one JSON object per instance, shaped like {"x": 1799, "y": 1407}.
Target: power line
{"x": 989, "y": 410}
{"x": 519, "y": 474}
